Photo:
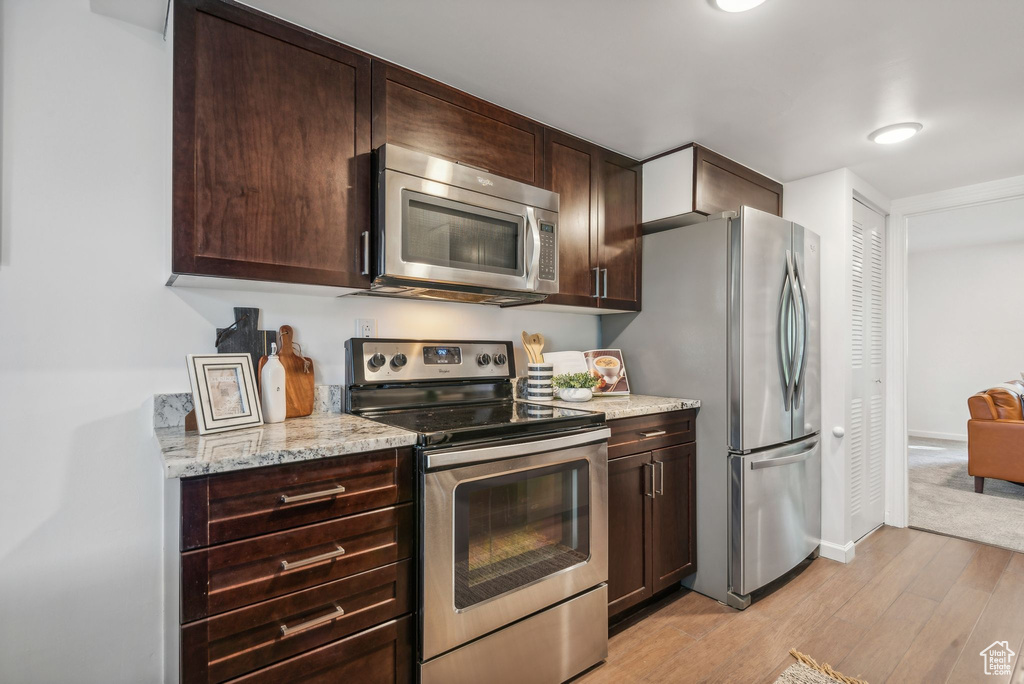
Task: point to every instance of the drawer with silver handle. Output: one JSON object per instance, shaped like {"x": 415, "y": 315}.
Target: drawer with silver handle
{"x": 228, "y": 576}
{"x": 240, "y": 641}
{"x": 247, "y": 503}
{"x": 653, "y": 431}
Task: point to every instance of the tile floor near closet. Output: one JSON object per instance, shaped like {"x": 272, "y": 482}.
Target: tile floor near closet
{"x": 912, "y": 607}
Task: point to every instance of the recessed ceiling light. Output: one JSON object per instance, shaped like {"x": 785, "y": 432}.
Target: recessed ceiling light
{"x": 737, "y": 5}
{"x": 895, "y": 133}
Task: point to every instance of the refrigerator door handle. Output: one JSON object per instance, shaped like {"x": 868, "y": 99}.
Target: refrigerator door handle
{"x": 786, "y": 350}
{"x": 804, "y": 332}
{"x": 784, "y": 460}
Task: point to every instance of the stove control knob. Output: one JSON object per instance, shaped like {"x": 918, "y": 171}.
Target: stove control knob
{"x": 500, "y": 359}
{"x": 398, "y": 360}
{"x": 483, "y": 359}
{"x": 376, "y": 361}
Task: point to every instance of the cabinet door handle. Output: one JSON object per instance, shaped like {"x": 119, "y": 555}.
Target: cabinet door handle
{"x": 285, "y": 565}
{"x": 597, "y": 283}
{"x": 333, "y": 491}
{"x": 338, "y": 612}
{"x": 366, "y": 252}
{"x": 649, "y": 480}
{"x": 605, "y": 283}
{"x": 652, "y": 433}
{"x": 660, "y": 488}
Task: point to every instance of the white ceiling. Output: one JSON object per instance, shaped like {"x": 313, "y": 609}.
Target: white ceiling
{"x": 983, "y": 224}
{"x": 791, "y": 88}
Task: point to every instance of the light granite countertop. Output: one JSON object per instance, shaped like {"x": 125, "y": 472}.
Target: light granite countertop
{"x": 297, "y": 439}
{"x": 626, "y": 406}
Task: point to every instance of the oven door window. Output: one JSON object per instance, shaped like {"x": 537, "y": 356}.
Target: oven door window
{"x": 512, "y": 530}
{"x": 441, "y": 232}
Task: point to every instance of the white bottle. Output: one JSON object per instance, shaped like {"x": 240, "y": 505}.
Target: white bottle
{"x": 272, "y": 388}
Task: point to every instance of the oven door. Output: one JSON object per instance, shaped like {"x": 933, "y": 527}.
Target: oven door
{"x": 506, "y": 538}
{"x": 440, "y": 233}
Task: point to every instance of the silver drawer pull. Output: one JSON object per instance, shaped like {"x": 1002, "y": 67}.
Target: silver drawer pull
{"x": 285, "y": 565}
{"x": 338, "y": 612}
{"x": 652, "y": 433}
{"x": 334, "y": 491}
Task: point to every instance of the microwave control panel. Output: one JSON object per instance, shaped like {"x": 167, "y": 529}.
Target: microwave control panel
{"x": 548, "y": 252}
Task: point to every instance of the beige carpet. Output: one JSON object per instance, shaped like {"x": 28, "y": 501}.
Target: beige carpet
{"x": 942, "y": 497}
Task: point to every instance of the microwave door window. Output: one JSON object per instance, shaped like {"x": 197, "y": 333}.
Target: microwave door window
{"x": 440, "y": 232}
{"x": 513, "y": 530}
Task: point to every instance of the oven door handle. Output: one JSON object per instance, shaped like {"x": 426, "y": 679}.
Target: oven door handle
{"x": 440, "y": 459}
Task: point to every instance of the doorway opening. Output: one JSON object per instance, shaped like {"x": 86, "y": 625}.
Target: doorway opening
{"x": 965, "y": 323}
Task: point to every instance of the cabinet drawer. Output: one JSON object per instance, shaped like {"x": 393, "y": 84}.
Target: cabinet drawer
{"x": 382, "y": 655}
{"x": 241, "y": 641}
{"x": 232, "y": 575}
{"x": 642, "y": 433}
{"x": 222, "y": 508}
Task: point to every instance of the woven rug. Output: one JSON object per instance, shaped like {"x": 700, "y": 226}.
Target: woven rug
{"x": 807, "y": 671}
{"x": 943, "y": 500}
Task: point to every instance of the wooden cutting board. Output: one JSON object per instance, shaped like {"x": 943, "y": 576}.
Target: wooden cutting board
{"x": 298, "y": 375}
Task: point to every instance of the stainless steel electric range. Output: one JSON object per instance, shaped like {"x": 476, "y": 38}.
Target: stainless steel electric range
{"x": 513, "y": 545}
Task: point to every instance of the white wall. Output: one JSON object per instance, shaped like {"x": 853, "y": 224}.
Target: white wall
{"x": 824, "y": 204}
{"x": 965, "y": 329}
{"x": 90, "y": 333}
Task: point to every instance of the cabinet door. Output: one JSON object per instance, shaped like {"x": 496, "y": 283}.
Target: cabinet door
{"x": 674, "y": 516}
{"x": 724, "y": 185}
{"x": 417, "y": 112}
{"x": 630, "y": 497}
{"x": 570, "y": 170}
{"x": 619, "y": 236}
{"x": 271, "y": 149}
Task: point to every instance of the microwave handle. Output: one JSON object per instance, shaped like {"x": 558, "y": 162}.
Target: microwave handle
{"x": 532, "y": 245}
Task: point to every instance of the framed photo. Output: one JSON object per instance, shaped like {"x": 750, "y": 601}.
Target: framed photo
{"x": 224, "y": 392}
{"x": 609, "y": 369}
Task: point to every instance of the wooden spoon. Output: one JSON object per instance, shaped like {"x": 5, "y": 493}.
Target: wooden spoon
{"x": 537, "y": 344}
{"x": 526, "y": 348}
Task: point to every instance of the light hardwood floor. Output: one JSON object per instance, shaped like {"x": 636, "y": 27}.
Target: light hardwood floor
{"x": 912, "y": 607}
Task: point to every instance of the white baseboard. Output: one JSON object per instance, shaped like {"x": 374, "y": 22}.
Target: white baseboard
{"x": 842, "y": 553}
{"x": 938, "y": 435}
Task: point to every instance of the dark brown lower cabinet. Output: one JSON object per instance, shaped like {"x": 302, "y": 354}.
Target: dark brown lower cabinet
{"x": 674, "y": 531}
{"x": 630, "y": 570}
{"x": 652, "y": 541}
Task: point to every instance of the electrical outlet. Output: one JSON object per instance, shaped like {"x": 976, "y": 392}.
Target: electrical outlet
{"x": 366, "y": 327}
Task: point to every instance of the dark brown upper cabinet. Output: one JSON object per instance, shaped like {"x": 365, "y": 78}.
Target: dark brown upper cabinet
{"x": 686, "y": 185}
{"x": 417, "y": 112}
{"x": 598, "y": 223}
{"x": 572, "y": 170}
{"x": 619, "y": 229}
{"x": 271, "y": 177}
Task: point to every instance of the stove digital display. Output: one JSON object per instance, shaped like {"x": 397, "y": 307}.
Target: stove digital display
{"x": 434, "y": 356}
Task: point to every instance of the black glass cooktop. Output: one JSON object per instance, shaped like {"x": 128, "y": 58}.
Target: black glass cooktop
{"x": 475, "y": 422}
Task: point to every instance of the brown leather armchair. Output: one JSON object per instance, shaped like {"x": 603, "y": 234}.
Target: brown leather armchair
{"x": 995, "y": 434}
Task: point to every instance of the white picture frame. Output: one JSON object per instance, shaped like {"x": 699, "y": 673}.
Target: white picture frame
{"x": 224, "y": 392}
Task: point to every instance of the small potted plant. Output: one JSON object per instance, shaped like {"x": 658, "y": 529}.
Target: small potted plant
{"x": 575, "y": 386}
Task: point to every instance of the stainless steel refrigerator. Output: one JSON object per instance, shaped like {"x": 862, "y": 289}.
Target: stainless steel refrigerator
{"x": 731, "y": 317}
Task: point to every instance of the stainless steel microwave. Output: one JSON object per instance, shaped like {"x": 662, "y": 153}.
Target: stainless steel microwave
{"x": 444, "y": 230}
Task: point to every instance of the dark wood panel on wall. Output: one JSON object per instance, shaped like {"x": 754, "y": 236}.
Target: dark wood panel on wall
{"x": 417, "y": 112}
{"x": 724, "y": 185}
{"x": 620, "y": 241}
{"x": 571, "y": 171}
{"x": 271, "y": 149}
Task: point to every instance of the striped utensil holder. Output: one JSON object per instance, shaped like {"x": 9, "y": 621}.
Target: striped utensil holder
{"x": 538, "y": 382}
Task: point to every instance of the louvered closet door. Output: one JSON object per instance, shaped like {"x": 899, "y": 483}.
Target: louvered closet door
{"x": 866, "y": 416}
